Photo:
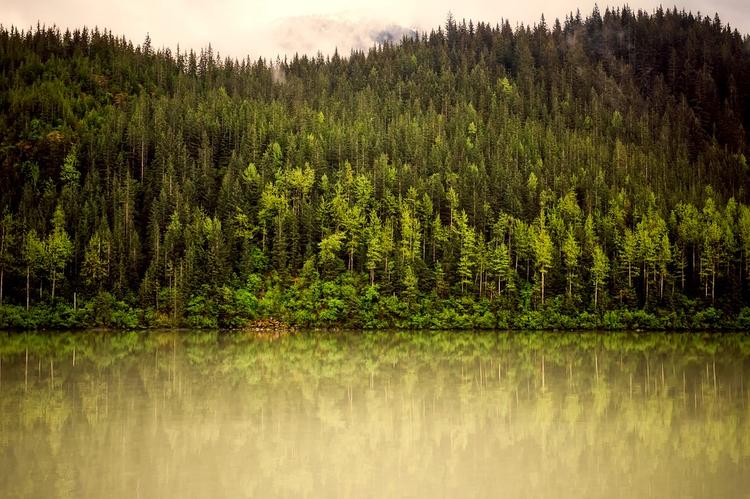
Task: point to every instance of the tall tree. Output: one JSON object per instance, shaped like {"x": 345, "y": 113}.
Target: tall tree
{"x": 8, "y": 237}
{"x": 571, "y": 254}
{"x": 543, "y": 252}
{"x": 374, "y": 245}
{"x": 599, "y": 271}
{"x": 96, "y": 261}
{"x": 58, "y": 249}
{"x": 33, "y": 256}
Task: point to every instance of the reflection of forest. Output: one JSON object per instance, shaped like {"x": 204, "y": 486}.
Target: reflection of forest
{"x": 386, "y": 414}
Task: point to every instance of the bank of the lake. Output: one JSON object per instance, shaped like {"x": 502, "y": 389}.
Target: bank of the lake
{"x": 348, "y": 307}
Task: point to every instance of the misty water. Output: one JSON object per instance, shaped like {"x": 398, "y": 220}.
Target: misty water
{"x": 374, "y": 414}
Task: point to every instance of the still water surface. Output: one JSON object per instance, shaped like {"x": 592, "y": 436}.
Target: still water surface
{"x": 365, "y": 414}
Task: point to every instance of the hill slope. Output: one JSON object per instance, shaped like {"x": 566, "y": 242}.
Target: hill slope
{"x": 588, "y": 173}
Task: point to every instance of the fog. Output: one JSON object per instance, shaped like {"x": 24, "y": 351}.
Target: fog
{"x": 269, "y": 28}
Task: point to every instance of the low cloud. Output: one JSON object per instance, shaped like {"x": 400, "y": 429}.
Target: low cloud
{"x": 278, "y": 75}
{"x": 312, "y": 34}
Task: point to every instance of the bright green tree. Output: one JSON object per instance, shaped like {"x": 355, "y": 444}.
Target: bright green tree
{"x": 410, "y": 234}
{"x": 58, "y": 249}
{"x": 599, "y": 271}
{"x": 543, "y": 253}
{"x": 33, "y": 257}
{"x": 353, "y": 223}
{"x": 467, "y": 241}
{"x": 743, "y": 224}
{"x": 330, "y": 245}
{"x": 410, "y": 284}
{"x": 500, "y": 265}
{"x": 374, "y": 237}
{"x": 571, "y": 253}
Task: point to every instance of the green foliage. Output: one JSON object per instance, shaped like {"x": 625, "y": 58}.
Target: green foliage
{"x": 202, "y": 312}
{"x": 421, "y": 185}
{"x": 599, "y": 271}
{"x": 743, "y": 319}
{"x": 543, "y": 252}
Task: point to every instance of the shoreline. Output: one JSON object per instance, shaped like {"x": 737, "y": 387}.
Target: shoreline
{"x": 351, "y": 329}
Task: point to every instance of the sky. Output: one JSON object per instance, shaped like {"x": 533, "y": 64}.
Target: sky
{"x": 267, "y": 28}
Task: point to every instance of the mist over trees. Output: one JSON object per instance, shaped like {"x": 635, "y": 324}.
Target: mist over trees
{"x": 585, "y": 173}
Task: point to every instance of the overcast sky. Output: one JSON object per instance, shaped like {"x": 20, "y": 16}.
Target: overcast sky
{"x": 270, "y": 27}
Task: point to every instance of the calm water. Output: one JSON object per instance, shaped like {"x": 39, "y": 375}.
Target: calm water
{"x": 360, "y": 414}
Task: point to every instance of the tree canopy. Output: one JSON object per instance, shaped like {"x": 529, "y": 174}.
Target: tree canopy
{"x": 594, "y": 165}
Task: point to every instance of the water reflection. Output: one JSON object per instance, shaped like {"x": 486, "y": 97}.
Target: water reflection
{"x": 362, "y": 414}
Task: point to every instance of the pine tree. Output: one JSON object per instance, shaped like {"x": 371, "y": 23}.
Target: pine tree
{"x": 543, "y": 252}
{"x": 58, "y": 249}
{"x": 410, "y": 284}
{"x": 33, "y": 256}
{"x": 571, "y": 253}
{"x": 374, "y": 245}
{"x": 500, "y": 265}
{"x": 95, "y": 269}
{"x": 744, "y": 230}
{"x": 8, "y": 237}
{"x": 599, "y": 271}
{"x": 467, "y": 259}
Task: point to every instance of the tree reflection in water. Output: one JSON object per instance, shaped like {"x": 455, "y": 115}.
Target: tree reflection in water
{"x": 374, "y": 414}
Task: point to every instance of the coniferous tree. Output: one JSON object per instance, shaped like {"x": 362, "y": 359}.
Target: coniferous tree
{"x": 480, "y": 161}
{"x": 58, "y": 249}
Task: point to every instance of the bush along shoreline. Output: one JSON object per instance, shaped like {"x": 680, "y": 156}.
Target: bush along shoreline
{"x": 332, "y": 306}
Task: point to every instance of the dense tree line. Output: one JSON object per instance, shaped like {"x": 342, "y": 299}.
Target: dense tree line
{"x": 591, "y": 167}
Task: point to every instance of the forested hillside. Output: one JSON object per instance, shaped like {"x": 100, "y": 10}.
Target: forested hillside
{"x": 585, "y": 173}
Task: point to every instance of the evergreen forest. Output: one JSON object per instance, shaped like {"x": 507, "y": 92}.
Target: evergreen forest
{"x": 585, "y": 173}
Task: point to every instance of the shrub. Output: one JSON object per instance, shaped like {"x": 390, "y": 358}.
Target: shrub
{"x": 743, "y": 319}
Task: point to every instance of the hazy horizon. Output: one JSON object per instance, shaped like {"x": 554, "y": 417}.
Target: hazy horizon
{"x": 268, "y": 29}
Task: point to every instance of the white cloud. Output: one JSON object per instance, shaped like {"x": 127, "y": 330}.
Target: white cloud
{"x": 270, "y": 27}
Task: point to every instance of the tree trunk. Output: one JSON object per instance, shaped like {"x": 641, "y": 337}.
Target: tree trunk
{"x": 54, "y": 282}
{"x": 542, "y": 288}
{"x": 527, "y": 270}
{"x": 713, "y": 284}
{"x": 661, "y": 286}
{"x": 684, "y": 268}
{"x": 630, "y": 281}
{"x": 596, "y": 294}
{"x": 693, "y": 268}
{"x": 372, "y": 277}
{"x": 28, "y": 289}
{"x": 2, "y": 276}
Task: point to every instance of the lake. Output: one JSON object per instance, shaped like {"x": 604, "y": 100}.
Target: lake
{"x": 374, "y": 414}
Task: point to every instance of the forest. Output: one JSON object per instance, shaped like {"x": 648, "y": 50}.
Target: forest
{"x": 586, "y": 173}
